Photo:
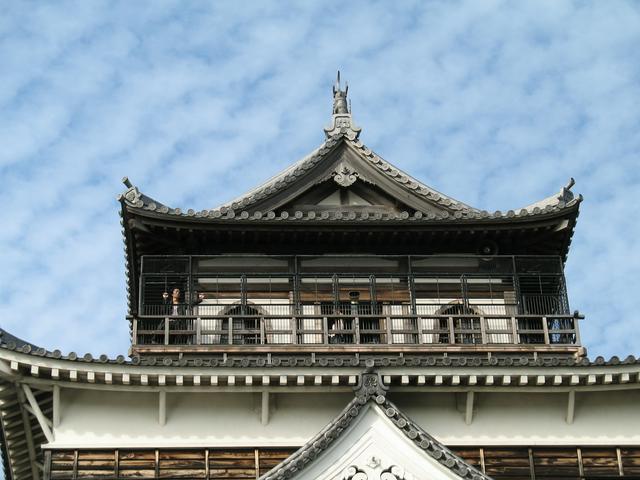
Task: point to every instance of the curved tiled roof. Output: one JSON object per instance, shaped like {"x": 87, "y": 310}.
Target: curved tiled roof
{"x": 252, "y": 360}
{"x": 240, "y": 208}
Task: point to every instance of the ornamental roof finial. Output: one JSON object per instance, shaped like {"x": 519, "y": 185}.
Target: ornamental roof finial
{"x": 341, "y": 122}
{"x": 340, "y": 97}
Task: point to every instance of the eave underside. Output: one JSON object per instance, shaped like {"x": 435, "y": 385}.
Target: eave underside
{"x": 548, "y": 236}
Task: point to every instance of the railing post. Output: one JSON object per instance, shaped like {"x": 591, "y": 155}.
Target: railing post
{"x": 325, "y": 330}
{"x": 483, "y": 330}
{"x": 356, "y": 326}
{"x": 135, "y": 331}
{"x": 576, "y": 330}
{"x": 514, "y": 330}
{"x": 230, "y": 320}
{"x": 419, "y": 327}
{"x": 388, "y": 323}
{"x": 262, "y": 331}
{"x": 545, "y": 329}
{"x": 452, "y": 331}
{"x": 166, "y": 330}
{"x": 198, "y": 331}
{"x": 294, "y": 330}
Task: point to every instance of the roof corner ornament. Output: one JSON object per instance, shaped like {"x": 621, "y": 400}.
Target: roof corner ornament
{"x": 132, "y": 196}
{"x": 342, "y": 123}
{"x": 566, "y": 195}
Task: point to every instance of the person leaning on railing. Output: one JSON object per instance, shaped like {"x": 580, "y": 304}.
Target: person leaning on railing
{"x": 175, "y": 308}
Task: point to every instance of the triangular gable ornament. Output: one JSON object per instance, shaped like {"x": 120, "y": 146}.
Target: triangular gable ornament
{"x": 373, "y": 440}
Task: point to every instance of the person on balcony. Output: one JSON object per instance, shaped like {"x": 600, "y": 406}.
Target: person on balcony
{"x": 174, "y": 304}
{"x": 176, "y": 308}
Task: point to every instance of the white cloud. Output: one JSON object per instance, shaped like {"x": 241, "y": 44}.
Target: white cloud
{"x": 496, "y": 103}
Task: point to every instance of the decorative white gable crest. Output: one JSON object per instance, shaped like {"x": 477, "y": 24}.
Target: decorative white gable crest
{"x": 344, "y": 174}
{"x": 373, "y": 470}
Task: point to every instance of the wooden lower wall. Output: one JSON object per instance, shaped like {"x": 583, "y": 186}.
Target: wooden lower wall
{"x": 514, "y": 463}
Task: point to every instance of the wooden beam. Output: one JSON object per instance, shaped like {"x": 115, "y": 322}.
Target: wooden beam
{"x": 33, "y": 412}
{"x": 37, "y": 412}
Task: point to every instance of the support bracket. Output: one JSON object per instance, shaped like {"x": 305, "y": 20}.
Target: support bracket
{"x": 44, "y": 422}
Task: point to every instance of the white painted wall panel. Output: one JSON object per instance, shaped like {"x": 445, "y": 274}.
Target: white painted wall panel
{"x": 102, "y": 418}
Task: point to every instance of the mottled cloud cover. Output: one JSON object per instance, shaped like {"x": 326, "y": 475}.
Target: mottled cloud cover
{"x": 495, "y": 103}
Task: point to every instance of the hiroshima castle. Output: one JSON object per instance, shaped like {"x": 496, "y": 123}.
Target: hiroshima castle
{"x": 342, "y": 321}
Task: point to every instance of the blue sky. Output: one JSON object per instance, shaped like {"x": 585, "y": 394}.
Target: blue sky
{"x": 495, "y": 103}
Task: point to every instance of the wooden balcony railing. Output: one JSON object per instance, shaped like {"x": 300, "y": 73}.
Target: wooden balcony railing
{"x": 355, "y": 332}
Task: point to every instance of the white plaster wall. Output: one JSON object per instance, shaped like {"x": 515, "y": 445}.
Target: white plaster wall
{"x": 193, "y": 419}
{"x": 108, "y": 418}
{"x": 601, "y": 418}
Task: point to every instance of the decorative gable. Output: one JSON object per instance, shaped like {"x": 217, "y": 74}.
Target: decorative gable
{"x": 373, "y": 448}
{"x": 372, "y": 440}
{"x": 345, "y": 179}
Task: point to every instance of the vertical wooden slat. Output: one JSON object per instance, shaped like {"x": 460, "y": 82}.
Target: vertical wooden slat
{"x": 484, "y": 469}
{"x": 532, "y": 467}
{"x": 157, "y": 465}
{"x": 75, "y": 464}
{"x": 620, "y": 466}
{"x": 116, "y": 466}
{"x": 580, "y": 465}
{"x": 257, "y": 460}
{"x": 206, "y": 464}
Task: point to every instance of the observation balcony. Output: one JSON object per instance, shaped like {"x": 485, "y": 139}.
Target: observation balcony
{"x": 356, "y": 304}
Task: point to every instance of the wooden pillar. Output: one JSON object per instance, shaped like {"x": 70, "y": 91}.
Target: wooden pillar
{"x": 56, "y": 406}
{"x": 468, "y": 416}
{"x": 162, "y": 407}
{"x": 571, "y": 406}
{"x": 264, "y": 408}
